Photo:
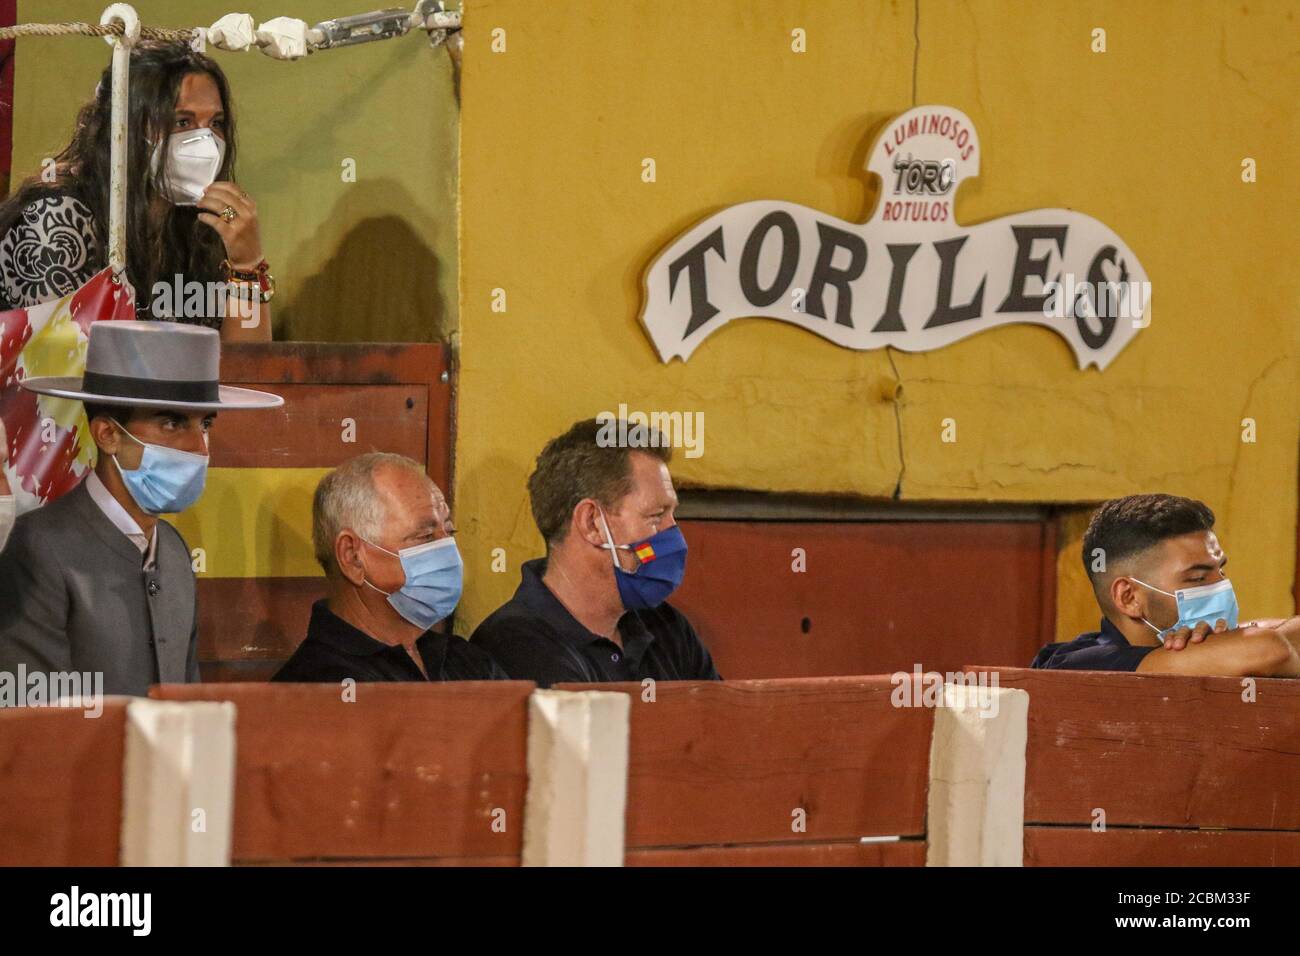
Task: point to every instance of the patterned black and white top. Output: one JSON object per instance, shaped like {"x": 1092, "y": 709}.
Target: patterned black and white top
{"x": 51, "y": 250}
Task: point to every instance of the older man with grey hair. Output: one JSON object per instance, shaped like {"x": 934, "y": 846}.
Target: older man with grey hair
{"x": 383, "y": 533}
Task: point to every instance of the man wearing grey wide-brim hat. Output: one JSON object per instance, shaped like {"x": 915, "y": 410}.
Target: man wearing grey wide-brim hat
{"x": 96, "y": 581}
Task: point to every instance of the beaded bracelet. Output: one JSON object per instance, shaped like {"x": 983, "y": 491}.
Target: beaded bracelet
{"x": 261, "y": 275}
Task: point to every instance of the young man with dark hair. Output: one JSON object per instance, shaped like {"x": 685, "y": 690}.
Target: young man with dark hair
{"x": 97, "y": 581}
{"x": 595, "y": 608}
{"x": 1156, "y": 568}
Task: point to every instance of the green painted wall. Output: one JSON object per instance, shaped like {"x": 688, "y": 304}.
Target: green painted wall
{"x": 370, "y": 260}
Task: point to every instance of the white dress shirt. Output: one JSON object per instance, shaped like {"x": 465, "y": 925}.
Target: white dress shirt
{"x": 122, "y": 520}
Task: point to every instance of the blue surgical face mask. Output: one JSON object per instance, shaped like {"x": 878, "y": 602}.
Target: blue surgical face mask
{"x": 434, "y": 578}
{"x": 167, "y": 480}
{"x": 1208, "y": 602}
{"x": 662, "y": 566}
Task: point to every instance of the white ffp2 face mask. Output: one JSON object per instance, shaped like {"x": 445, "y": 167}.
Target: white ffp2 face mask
{"x": 8, "y": 512}
{"x": 194, "y": 158}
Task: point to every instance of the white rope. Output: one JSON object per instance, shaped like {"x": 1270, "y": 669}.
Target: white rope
{"x": 282, "y": 38}
{"x": 78, "y": 28}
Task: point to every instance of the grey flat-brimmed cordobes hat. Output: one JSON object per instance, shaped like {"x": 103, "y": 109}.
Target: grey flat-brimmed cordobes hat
{"x": 153, "y": 365}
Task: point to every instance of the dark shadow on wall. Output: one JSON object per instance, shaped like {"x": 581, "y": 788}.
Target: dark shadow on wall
{"x": 378, "y": 284}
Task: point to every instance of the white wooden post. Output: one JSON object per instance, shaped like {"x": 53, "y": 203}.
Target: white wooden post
{"x": 976, "y": 805}
{"x": 179, "y": 783}
{"x": 577, "y": 778}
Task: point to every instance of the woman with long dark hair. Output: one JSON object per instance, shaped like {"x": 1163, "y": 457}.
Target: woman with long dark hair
{"x": 187, "y": 221}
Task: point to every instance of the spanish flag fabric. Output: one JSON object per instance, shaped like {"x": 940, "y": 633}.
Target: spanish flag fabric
{"x": 644, "y": 552}
{"x": 50, "y": 449}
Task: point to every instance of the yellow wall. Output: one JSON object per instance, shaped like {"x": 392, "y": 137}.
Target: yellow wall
{"x": 1147, "y": 137}
{"x": 370, "y": 260}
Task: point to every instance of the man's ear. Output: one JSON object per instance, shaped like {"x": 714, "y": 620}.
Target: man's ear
{"x": 107, "y": 438}
{"x": 586, "y": 522}
{"x": 347, "y": 555}
{"x": 1123, "y": 595}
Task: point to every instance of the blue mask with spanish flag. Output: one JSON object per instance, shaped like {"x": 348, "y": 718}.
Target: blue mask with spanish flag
{"x": 661, "y": 566}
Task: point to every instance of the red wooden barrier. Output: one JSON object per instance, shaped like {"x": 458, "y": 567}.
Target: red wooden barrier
{"x": 717, "y": 771}
{"x": 61, "y": 781}
{"x": 899, "y": 853}
{"x": 1121, "y": 846}
{"x": 1173, "y": 756}
{"x": 416, "y": 774}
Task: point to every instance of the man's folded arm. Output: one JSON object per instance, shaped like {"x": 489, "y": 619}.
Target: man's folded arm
{"x": 1288, "y": 627}
{"x": 1245, "y": 652}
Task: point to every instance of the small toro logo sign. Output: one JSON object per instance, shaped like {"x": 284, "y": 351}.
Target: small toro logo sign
{"x": 909, "y": 277}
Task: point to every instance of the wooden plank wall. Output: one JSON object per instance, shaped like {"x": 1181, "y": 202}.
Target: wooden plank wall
{"x": 61, "y": 785}
{"x": 405, "y": 773}
{"x": 1189, "y": 772}
{"x": 716, "y": 771}
{"x": 876, "y": 597}
{"x": 1186, "y": 770}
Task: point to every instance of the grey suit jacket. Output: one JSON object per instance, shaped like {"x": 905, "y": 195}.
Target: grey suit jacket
{"x": 73, "y": 597}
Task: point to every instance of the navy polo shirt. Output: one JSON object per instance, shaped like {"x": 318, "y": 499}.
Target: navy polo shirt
{"x": 335, "y": 650}
{"x": 534, "y": 637}
{"x": 1104, "y": 650}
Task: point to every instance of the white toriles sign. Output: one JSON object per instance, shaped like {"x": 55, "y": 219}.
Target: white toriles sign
{"x": 911, "y": 277}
